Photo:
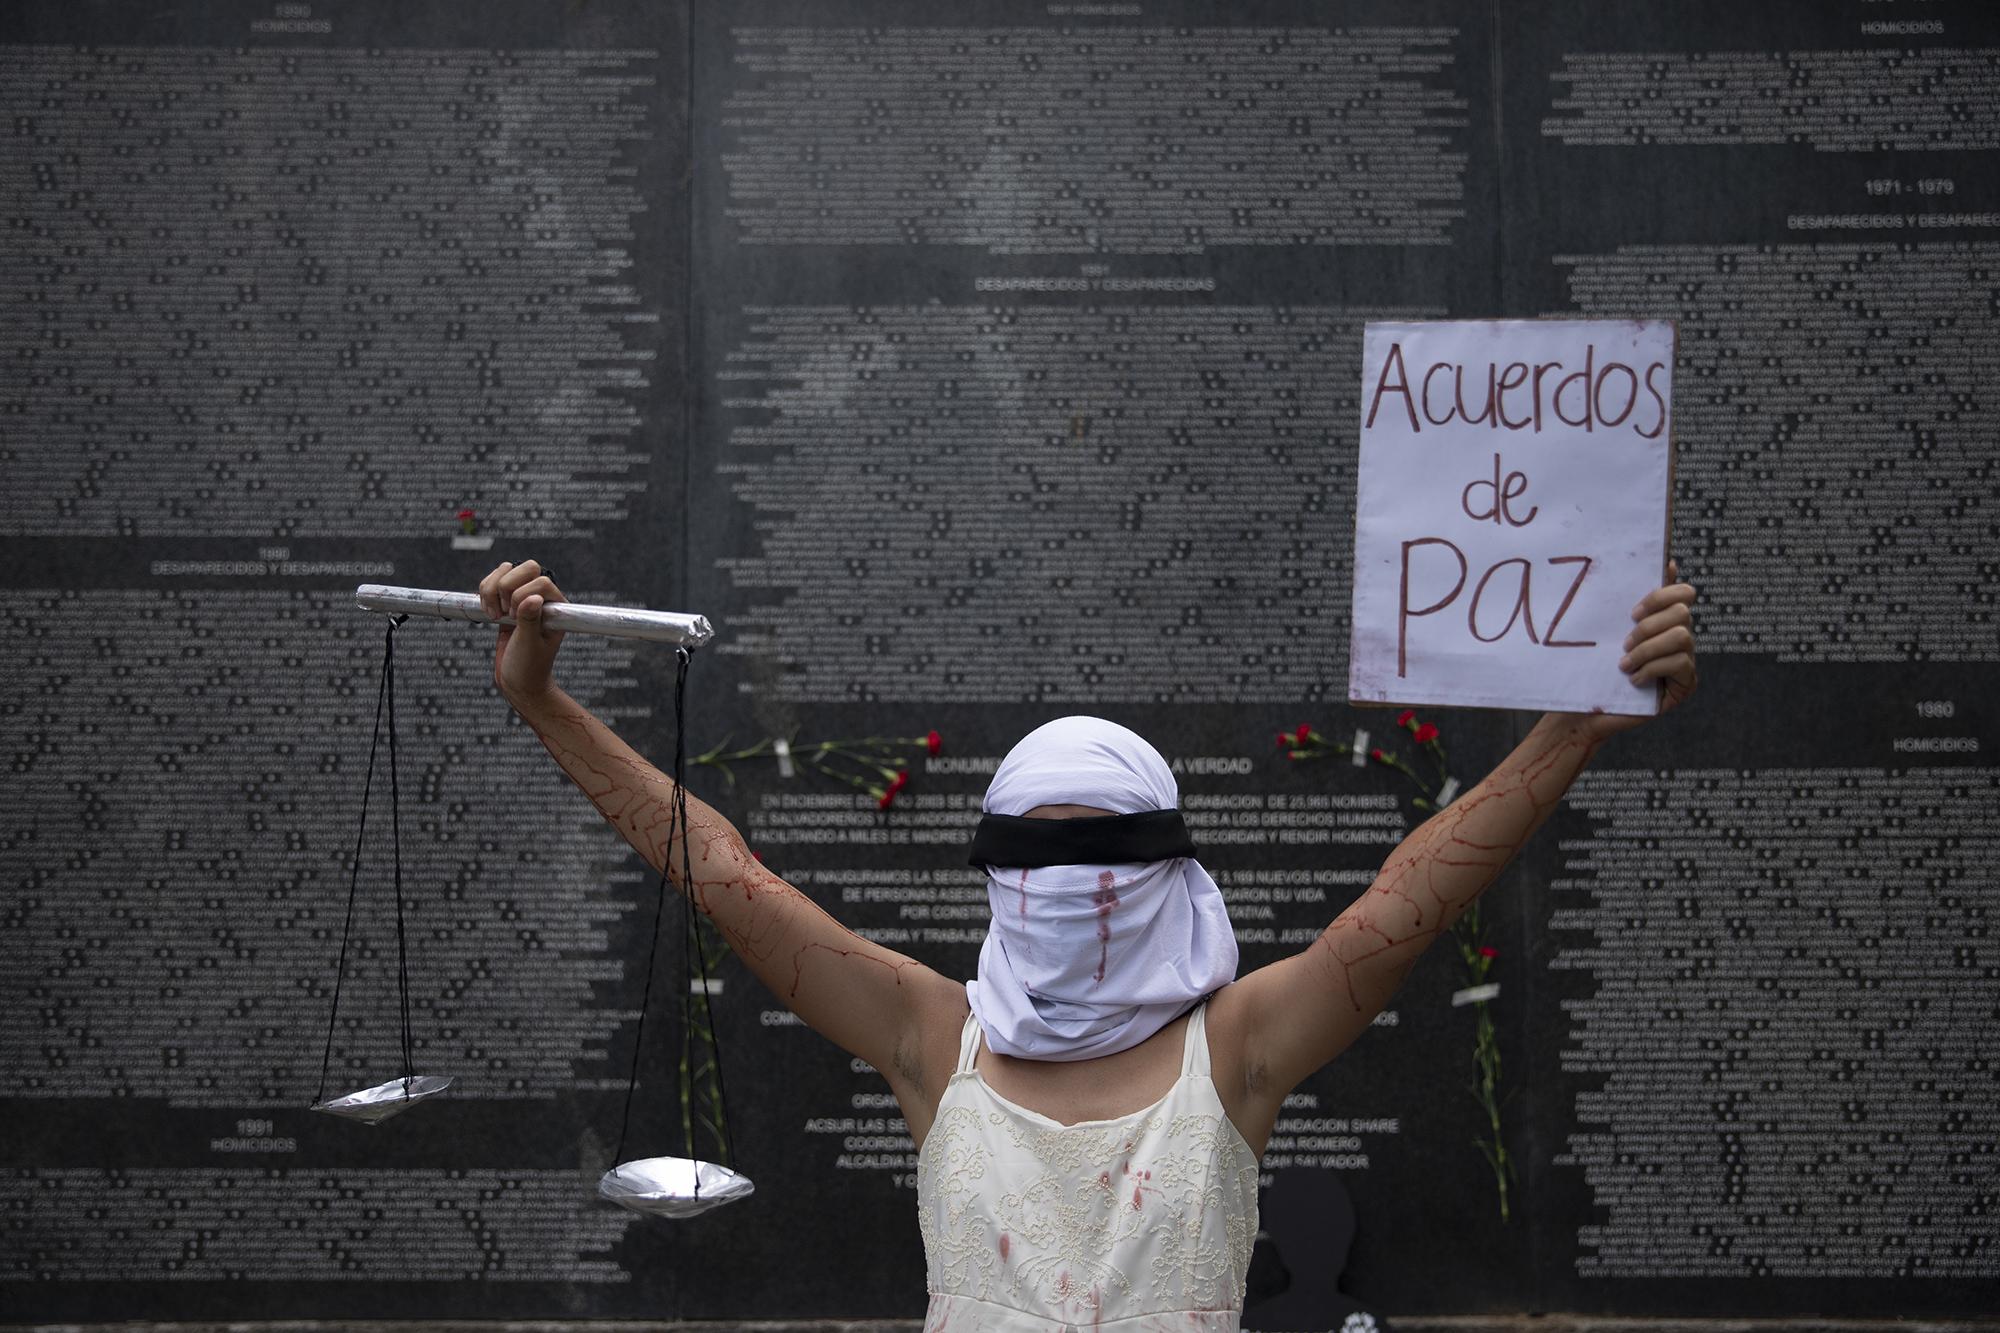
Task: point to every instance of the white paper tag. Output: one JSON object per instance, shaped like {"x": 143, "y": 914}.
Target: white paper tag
{"x": 1474, "y": 994}
{"x": 1446, "y": 792}
{"x": 783, "y": 750}
{"x": 711, "y": 986}
{"x": 1359, "y": 757}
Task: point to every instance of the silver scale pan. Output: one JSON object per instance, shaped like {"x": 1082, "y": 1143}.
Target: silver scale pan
{"x": 374, "y": 1105}
{"x": 672, "y": 1186}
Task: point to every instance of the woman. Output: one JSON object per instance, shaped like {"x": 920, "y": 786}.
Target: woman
{"x": 1090, "y": 1111}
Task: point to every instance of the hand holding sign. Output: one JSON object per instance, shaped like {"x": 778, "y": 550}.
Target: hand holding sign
{"x": 1659, "y": 648}
{"x": 1511, "y": 509}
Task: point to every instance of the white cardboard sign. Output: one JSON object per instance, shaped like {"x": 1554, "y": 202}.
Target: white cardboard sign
{"x": 1511, "y": 511}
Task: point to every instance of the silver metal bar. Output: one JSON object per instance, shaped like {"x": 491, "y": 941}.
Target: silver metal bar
{"x": 615, "y": 622}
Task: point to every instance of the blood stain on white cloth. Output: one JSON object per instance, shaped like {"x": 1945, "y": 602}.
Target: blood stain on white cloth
{"x": 1105, "y": 899}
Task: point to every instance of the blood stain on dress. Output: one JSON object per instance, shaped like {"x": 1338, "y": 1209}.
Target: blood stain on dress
{"x": 1005, "y": 1245}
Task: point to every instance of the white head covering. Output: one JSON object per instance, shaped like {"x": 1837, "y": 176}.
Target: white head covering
{"x": 1090, "y": 960}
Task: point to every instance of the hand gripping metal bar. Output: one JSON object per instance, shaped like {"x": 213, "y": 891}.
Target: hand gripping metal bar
{"x": 616, "y": 622}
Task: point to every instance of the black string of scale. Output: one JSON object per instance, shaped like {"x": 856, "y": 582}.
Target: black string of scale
{"x": 678, "y": 1186}
{"x": 375, "y": 1104}
{"x": 666, "y": 1186}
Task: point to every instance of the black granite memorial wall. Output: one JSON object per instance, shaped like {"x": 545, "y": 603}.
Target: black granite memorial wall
{"x": 969, "y": 365}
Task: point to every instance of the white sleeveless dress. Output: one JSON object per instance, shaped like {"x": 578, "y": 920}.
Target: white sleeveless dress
{"x": 1143, "y": 1222}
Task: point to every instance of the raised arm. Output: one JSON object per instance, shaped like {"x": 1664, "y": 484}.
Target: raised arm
{"x": 869, "y": 1000}
{"x": 1292, "y": 1017}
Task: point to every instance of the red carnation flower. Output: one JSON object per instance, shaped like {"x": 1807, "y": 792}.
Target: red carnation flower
{"x": 1284, "y": 740}
{"x": 1403, "y": 718}
{"x": 1376, "y": 753}
{"x": 901, "y": 781}
{"x": 886, "y": 799}
{"x": 1426, "y": 732}
{"x": 465, "y": 513}
{"x": 1305, "y": 732}
{"x": 934, "y": 742}
{"x": 758, "y": 857}
{"x": 1488, "y": 951}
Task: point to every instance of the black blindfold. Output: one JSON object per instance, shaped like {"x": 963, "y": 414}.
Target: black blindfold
{"x": 1013, "y": 840}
